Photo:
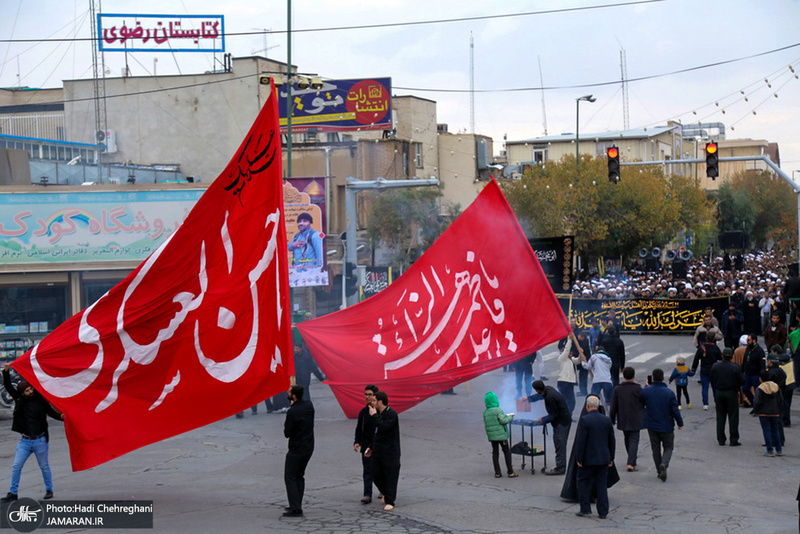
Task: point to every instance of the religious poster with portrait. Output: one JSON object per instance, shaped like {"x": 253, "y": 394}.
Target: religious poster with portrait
{"x": 304, "y": 205}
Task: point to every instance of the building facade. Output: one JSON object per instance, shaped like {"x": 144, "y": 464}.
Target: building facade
{"x": 171, "y": 136}
{"x": 657, "y": 144}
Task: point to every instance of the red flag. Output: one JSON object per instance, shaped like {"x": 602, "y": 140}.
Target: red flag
{"x": 199, "y": 331}
{"x": 475, "y": 301}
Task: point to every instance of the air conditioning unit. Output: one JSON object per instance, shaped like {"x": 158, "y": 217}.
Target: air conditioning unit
{"x": 111, "y": 142}
{"x": 516, "y": 176}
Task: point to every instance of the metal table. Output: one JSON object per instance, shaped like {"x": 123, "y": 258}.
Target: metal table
{"x": 536, "y": 451}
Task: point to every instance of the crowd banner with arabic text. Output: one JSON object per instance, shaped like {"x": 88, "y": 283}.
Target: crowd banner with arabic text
{"x": 198, "y": 332}
{"x": 476, "y": 300}
{"x": 645, "y": 316}
{"x": 340, "y": 105}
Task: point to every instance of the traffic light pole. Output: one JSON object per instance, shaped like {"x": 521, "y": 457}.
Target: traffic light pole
{"x": 353, "y": 186}
{"x": 788, "y": 179}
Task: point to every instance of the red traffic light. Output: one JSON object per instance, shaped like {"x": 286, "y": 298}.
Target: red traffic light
{"x": 712, "y": 160}
{"x": 613, "y": 164}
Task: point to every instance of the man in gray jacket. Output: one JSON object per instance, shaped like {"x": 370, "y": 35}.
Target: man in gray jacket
{"x": 713, "y": 333}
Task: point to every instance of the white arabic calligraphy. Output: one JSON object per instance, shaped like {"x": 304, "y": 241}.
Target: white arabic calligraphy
{"x": 144, "y": 354}
{"x": 458, "y": 310}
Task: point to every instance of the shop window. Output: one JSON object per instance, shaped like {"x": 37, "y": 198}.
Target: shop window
{"x": 27, "y": 314}
{"x": 91, "y": 291}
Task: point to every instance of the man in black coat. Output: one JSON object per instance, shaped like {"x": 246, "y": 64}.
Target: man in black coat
{"x": 385, "y": 450}
{"x": 615, "y": 348}
{"x": 365, "y": 430}
{"x": 726, "y": 380}
{"x": 751, "y": 313}
{"x": 791, "y": 291}
{"x": 628, "y": 413}
{"x": 752, "y": 365}
{"x": 559, "y": 417}
{"x": 732, "y": 321}
{"x": 594, "y": 453}
{"x": 299, "y": 428}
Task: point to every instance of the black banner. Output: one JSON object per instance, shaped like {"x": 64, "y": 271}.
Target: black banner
{"x": 376, "y": 280}
{"x": 644, "y": 315}
{"x": 555, "y": 257}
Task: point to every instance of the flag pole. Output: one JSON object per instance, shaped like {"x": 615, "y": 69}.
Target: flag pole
{"x": 569, "y": 313}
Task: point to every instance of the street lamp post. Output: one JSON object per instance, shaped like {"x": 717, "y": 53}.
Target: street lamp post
{"x": 587, "y": 98}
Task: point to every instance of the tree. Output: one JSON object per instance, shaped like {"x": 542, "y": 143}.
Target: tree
{"x": 408, "y": 220}
{"x": 645, "y": 208}
{"x": 761, "y": 204}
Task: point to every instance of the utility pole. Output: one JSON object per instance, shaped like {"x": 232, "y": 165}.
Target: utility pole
{"x": 99, "y": 88}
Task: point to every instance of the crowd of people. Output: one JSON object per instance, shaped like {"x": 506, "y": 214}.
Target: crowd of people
{"x": 763, "y": 274}
{"x": 740, "y": 375}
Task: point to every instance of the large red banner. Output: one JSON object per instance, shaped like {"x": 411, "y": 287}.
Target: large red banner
{"x": 199, "y": 331}
{"x": 475, "y": 301}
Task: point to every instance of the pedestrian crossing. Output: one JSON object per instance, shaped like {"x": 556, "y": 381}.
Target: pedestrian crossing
{"x": 643, "y": 358}
{"x": 636, "y": 359}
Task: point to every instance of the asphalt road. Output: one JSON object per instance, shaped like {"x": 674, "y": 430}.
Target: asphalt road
{"x": 228, "y": 477}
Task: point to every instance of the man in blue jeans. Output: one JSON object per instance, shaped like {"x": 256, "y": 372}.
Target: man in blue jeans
{"x": 30, "y": 420}
{"x": 660, "y": 415}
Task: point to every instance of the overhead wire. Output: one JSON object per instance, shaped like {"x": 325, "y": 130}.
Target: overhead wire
{"x": 743, "y": 95}
{"x": 66, "y": 51}
{"x": 606, "y": 83}
{"x": 400, "y": 24}
{"x": 13, "y": 27}
{"x": 441, "y": 21}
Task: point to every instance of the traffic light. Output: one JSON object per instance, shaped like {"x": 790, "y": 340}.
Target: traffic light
{"x": 350, "y": 278}
{"x": 712, "y": 160}
{"x": 613, "y": 164}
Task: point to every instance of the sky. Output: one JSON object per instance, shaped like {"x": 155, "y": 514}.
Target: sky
{"x": 713, "y": 61}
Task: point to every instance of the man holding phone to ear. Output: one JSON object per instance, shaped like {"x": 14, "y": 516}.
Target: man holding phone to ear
{"x": 660, "y": 415}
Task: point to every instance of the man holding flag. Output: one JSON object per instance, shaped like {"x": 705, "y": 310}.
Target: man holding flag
{"x": 30, "y": 420}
